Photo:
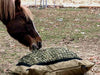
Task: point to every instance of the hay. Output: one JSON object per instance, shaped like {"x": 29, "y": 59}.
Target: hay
{"x": 47, "y": 56}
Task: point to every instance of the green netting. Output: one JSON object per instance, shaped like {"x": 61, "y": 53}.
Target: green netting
{"x": 47, "y": 56}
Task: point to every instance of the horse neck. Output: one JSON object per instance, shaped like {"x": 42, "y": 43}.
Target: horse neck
{"x": 5, "y": 22}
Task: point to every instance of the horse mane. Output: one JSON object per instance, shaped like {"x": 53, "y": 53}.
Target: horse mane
{"x": 7, "y": 10}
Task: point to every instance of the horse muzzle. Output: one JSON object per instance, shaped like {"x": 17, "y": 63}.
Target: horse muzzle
{"x": 36, "y": 46}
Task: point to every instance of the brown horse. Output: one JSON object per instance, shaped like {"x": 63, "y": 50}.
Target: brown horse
{"x": 18, "y": 22}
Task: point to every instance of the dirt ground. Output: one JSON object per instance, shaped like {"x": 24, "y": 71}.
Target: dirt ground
{"x": 89, "y": 50}
{"x": 57, "y": 27}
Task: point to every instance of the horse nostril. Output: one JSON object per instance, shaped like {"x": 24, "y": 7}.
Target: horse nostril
{"x": 34, "y": 47}
{"x": 39, "y": 44}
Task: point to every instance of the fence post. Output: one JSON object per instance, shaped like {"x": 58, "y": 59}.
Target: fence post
{"x": 54, "y": 3}
{"x": 35, "y": 3}
{"x": 40, "y": 3}
{"x": 43, "y": 4}
{"x": 46, "y": 3}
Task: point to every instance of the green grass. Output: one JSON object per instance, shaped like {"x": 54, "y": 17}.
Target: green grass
{"x": 50, "y": 27}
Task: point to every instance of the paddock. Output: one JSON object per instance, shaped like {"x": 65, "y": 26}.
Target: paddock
{"x": 75, "y": 28}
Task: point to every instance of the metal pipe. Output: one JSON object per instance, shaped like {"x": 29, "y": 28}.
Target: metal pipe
{"x": 35, "y": 3}
{"x": 43, "y": 4}
{"x": 54, "y": 3}
{"x": 46, "y": 3}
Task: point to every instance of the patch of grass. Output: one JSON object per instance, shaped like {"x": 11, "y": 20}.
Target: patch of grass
{"x": 61, "y": 23}
{"x": 70, "y": 9}
{"x": 2, "y": 27}
{"x": 77, "y": 36}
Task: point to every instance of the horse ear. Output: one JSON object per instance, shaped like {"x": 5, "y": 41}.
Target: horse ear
{"x": 17, "y": 3}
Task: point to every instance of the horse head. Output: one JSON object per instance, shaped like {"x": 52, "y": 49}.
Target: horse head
{"x": 18, "y": 20}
